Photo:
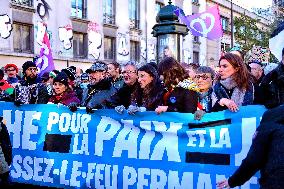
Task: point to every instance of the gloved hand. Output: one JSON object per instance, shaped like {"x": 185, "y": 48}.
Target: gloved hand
{"x": 119, "y": 109}
{"x": 89, "y": 110}
{"x": 132, "y": 110}
{"x": 198, "y": 114}
{"x": 73, "y": 107}
{"x": 17, "y": 103}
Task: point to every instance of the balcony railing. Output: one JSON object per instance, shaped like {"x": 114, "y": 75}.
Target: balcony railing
{"x": 134, "y": 24}
{"x": 109, "y": 19}
{"x": 28, "y": 3}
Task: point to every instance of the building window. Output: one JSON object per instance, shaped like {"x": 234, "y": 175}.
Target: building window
{"x": 109, "y": 48}
{"x": 79, "y": 45}
{"x": 195, "y": 57}
{"x": 109, "y": 12}
{"x": 134, "y": 51}
{"x": 28, "y": 3}
{"x": 225, "y": 23}
{"x": 158, "y": 7}
{"x": 134, "y": 14}
{"x": 22, "y": 38}
{"x": 79, "y": 8}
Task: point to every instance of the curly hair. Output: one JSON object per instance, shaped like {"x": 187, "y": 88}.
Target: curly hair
{"x": 172, "y": 71}
{"x": 242, "y": 76}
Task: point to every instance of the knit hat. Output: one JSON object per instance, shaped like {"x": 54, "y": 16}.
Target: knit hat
{"x": 84, "y": 76}
{"x": 97, "y": 66}
{"x": 61, "y": 78}
{"x": 45, "y": 76}
{"x": 27, "y": 65}
{"x": 70, "y": 72}
{"x": 11, "y": 65}
{"x": 148, "y": 68}
{"x": 52, "y": 74}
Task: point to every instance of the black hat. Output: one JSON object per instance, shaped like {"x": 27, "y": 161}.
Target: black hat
{"x": 256, "y": 62}
{"x": 45, "y": 76}
{"x": 84, "y": 76}
{"x": 97, "y": 66}
{"x": 70, "y": 72}
{"x": 27, "y": 65}
{"x": 61, "y": 78}
{"x": 148, "y": 68}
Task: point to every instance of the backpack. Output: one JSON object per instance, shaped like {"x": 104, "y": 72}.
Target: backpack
{"x": 5, "y": 142}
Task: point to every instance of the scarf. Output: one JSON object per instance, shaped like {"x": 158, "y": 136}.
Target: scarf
{"x": 229, "y": 84}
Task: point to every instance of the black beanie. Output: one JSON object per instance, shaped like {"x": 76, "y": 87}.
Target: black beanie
{"x": 70, "y": 72}
{"x": 61, "y": 78}
{"x": 27, "y": 65}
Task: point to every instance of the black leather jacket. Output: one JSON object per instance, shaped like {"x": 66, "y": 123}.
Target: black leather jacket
{"x": 266, "y": 153}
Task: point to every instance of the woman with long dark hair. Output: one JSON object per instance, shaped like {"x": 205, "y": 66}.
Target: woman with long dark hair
{"x": 150, "y": 90}
{"x": 234, "y": 87}
{"x": 177, "y": 98}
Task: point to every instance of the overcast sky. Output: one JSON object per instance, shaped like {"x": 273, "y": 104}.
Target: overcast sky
{"x": 253, "y": 3}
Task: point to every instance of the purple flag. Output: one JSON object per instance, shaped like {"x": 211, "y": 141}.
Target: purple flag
{"x": 206, "y": 24}
{"x": 45, "y": 60}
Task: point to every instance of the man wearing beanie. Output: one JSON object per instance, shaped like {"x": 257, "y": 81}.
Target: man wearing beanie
{"x": 30, "y": 89}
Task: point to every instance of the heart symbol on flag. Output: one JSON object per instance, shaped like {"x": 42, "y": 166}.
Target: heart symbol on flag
{"x": 202, "y": 21}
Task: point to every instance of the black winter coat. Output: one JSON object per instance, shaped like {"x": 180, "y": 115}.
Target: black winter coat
{"x": 122, "y": 96}
{"x": 182, "y": 100}
{"x": 266, "y": 153}
{"x": 271, "y": 93}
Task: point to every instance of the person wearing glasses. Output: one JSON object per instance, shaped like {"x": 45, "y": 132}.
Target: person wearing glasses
{"x": 12, "y": 70}
{"x": 204, "y": 78}
{"x": 234, "y": 86}
{"x": 123, "y": 96}
{"x": 30, "y": 89}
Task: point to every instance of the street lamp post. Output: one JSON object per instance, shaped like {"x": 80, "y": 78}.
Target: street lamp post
{"x": 169, "y": 32}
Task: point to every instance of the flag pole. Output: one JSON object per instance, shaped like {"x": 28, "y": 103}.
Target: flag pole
{"x": 232, "y": 25}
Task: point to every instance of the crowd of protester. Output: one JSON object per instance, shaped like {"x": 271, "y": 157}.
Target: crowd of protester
{"x": 169, "y": 86}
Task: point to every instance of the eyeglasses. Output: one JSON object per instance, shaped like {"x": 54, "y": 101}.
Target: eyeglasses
{"x": 10, "y": 70}
{"x": 203, "y": 76}
{"x": 128, "y": 72}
